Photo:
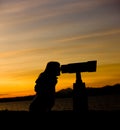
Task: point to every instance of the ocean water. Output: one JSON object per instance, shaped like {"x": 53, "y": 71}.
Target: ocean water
{"x": 107, "y": 102}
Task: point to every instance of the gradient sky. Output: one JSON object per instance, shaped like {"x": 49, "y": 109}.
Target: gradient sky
{"x": 33, "y": 32}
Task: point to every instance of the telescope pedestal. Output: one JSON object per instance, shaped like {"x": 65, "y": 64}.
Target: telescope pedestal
{"x": 80, "y": 97}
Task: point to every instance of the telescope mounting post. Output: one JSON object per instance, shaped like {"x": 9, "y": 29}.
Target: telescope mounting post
{"x": 80, "y": 98}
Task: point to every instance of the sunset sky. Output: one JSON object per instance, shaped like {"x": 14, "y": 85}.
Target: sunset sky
{"x": 34, "y": 32}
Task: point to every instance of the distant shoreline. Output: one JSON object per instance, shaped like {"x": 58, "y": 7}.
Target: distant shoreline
{"x": 67, "y": 93}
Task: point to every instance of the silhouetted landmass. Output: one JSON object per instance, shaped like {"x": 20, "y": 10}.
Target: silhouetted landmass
{"x": 67, "y": 93}
{"x": 64, "y": 93}
{"x": 106, "y": 90}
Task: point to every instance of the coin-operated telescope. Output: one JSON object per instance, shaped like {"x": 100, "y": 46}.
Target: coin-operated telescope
{"x": 80, "y": 97}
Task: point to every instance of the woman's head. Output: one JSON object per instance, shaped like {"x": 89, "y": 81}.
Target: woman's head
{"x": 53, "y": 68}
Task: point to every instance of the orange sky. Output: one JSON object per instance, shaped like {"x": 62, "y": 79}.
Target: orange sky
{"x": 33, "y": 33}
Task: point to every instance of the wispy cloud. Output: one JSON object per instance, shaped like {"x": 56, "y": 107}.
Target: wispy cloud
{"x": 92, "y": 35}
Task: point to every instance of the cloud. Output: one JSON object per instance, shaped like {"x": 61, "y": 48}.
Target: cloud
{"x": 26, "y": 20}
{"x": 92, "y": 35}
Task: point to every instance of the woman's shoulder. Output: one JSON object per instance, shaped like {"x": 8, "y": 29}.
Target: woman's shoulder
{"x": 41, "y": 76}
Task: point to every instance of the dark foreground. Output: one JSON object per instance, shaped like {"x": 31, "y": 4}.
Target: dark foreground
{"x": 60, "y": 120}
{"x": 90, "y": 113}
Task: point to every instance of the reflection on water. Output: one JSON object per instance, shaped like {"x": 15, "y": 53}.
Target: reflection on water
{"x": 105, "y": 102}
{"x": 63, "y": 104}
{"x": 19, "y": 105}
{"x": 109, "y": 102}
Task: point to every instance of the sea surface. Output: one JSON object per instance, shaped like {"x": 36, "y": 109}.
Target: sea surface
{"x": 106, "y": 102}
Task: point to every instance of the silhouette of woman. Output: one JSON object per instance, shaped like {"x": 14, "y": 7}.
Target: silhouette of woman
{"x": 44, "y": 99}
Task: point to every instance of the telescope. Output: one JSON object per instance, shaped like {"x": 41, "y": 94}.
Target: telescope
{"x": 80, "y": 97}
{"x": 89, "y": 66}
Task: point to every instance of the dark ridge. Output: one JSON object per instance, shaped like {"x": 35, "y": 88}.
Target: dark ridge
{"x": 64, "y": 93}
{"x": 67, "y": 93}
{"x": 106, "y": 90}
